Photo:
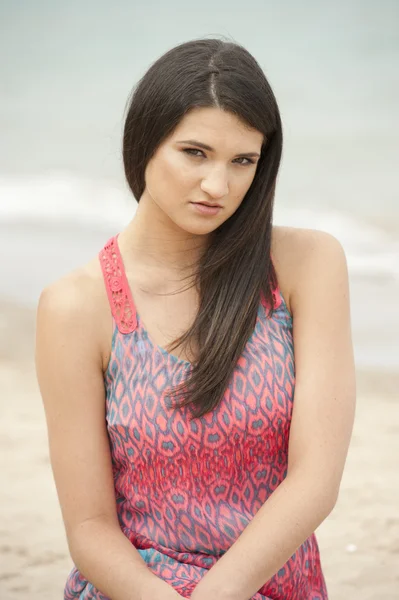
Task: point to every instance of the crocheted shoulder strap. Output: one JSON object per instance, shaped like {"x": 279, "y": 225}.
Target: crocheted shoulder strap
{"x": 117, "y": 286}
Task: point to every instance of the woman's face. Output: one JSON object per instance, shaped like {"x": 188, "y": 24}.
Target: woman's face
{"x": 183, "y": 172}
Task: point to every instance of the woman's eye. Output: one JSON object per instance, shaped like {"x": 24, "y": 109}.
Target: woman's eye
{"x": 249, "y": 161}
{"x": 192, "y": 152}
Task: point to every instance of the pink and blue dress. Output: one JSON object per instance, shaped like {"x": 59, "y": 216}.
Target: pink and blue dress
{"x": 185, "y": 490}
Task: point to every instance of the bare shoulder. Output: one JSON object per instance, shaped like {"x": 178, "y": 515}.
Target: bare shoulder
{"x": 305, "y": 258}
{"x": 77, "y": 304}
{"x": 292, "y": 245}
{"x": 72, "y": 291}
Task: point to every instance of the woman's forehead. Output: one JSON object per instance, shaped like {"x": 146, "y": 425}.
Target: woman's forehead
{"x": 211, "y": 125}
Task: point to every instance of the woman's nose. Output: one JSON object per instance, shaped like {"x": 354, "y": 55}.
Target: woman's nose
{"x": 215, "y": 183}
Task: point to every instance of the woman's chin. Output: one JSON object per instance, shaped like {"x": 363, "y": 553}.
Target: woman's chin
{"x": 193, "y": 227}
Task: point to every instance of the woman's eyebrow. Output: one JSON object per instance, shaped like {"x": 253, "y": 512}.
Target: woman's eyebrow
{"x": 206, "y": 147}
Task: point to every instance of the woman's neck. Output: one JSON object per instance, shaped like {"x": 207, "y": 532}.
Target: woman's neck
{"x": 154, "y": 241}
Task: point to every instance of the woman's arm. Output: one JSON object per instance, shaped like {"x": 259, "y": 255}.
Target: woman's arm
{"x": 321, "y": 426}
{"x": 70, "y": 374}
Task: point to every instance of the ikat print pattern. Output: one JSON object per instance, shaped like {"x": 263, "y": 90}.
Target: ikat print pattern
{"x": 187, "y": 489}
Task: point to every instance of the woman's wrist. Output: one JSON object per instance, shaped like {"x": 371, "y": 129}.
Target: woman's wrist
{"x": 147, "y": 584}
{"x": 152, "y": 587}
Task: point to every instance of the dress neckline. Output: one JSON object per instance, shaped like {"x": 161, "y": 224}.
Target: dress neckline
{"x": 139, "y": 322}
{"x": 122, "y": 303}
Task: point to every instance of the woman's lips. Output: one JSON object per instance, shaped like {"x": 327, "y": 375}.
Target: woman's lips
{"x": 205, "y": 209}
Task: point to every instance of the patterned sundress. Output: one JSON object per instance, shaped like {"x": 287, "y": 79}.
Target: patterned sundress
{"x": 185, "y": 490}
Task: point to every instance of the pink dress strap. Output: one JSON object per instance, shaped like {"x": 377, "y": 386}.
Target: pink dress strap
{"x": 117, "y": 286}
{"x": 276, "y": 298}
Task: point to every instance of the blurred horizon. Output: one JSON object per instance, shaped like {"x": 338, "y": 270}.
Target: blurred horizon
{"x": 67, "y": 75}
{"x": 333, "y": 69}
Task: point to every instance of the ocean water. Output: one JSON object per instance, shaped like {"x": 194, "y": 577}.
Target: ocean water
{"x": 67, "y": 71}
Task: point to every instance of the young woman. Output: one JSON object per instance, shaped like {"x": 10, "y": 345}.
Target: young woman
{"x": 198, "y": 374}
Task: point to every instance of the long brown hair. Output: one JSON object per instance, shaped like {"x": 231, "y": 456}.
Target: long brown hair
{"x": 236, "y": 267}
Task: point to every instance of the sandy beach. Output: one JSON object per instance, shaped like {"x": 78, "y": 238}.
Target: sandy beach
{"x": 359, "y": 541}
